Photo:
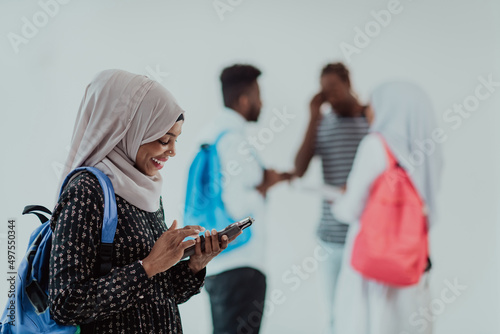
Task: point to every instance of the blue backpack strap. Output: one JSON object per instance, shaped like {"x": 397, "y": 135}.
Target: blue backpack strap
{"x": 219, "y": 137}
{"x": 110, "y": 217}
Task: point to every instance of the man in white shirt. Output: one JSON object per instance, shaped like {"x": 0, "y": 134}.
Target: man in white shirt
{"x": 235, "y": 280}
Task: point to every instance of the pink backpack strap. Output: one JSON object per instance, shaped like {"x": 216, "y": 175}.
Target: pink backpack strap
{"x": 391, "y": 160}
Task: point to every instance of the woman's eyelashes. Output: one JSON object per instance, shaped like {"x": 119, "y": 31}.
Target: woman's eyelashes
{"x": 165, "y": 143}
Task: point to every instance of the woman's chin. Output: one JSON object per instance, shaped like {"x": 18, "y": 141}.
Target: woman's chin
{"x": 152, "y": 172}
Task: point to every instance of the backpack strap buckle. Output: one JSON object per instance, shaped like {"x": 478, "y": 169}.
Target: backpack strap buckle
{"x": 105, "y": 258}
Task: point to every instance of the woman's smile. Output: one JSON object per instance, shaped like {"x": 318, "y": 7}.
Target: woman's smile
{"x": 159, "y": 162}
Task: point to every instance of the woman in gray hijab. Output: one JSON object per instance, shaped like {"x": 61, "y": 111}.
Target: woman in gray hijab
{"x": 402, "y": 114}
{"x": 127, "y": 127}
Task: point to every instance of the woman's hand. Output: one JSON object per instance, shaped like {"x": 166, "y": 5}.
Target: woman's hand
{"x": 200, "y": 259}
{"x": 169, "y": 248}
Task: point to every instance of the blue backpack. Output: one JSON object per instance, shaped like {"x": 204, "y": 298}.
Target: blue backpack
{"x": 27, "y": 309}
{"x": 204, "y": 205}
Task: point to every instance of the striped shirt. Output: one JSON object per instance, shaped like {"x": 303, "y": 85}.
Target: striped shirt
{"x": 337, "y": 141}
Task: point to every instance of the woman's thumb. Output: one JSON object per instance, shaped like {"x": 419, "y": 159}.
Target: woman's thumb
{"x": 174, "y": 225}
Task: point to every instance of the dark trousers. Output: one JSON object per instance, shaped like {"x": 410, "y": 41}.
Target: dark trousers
{"x": 237, "y": 300}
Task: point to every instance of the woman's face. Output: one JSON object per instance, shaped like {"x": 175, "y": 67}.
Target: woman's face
{"x": 370, "y": 114}
{"x": 152, "y": 156}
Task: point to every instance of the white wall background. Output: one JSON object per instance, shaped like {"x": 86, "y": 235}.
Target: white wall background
{"x": 443, "y": 45}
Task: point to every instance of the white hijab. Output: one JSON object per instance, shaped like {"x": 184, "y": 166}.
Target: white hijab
{"x": 121, "y": 111}
{"x": 405, "y": 117}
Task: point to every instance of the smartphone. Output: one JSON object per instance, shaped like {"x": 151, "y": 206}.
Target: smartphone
{"x": 230, "y": 231}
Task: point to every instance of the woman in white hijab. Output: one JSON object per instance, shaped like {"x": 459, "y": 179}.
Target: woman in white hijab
{"x": 127, "y": 127}
{"x": 403, "y": 115}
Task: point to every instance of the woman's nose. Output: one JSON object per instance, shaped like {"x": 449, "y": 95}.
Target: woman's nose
{"x": 171, "y": 152}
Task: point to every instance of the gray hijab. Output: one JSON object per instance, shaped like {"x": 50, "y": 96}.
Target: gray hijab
{"x": 121, "y": 111}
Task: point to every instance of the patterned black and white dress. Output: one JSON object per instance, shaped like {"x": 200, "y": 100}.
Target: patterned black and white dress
{"x": 125, "y": 300}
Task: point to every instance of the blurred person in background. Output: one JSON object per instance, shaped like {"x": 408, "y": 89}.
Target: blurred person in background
{"x": 334, "y": 137}
{"x": 236, "y": 283}
{"x": 400, "y": 114}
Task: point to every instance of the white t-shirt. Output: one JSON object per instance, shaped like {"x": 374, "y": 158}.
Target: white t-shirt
{"x": 242, "y": 174}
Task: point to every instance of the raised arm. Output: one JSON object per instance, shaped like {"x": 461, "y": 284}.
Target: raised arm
{"x": 306, "y": 151}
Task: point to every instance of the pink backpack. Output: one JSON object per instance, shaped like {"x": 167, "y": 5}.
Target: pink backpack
{"x": 392, "y": 244}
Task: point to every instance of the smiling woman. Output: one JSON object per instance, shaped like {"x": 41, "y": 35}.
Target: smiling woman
{"x": 127, "y": 127}
{"x": 151, "y": 157}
